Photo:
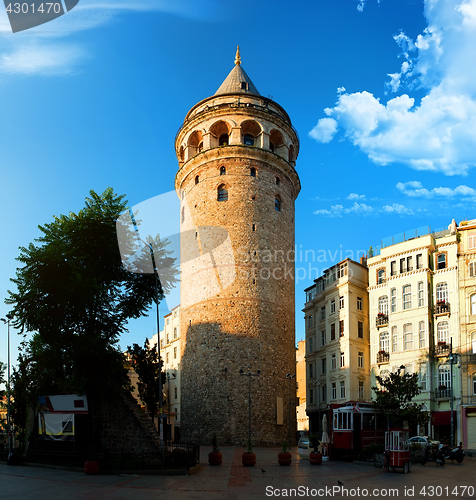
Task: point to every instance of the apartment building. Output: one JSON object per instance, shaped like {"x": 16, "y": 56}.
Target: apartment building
{"x": 301, "y": 415}
{"x": 337, "y": 339}
{"x": 414, "y": 321}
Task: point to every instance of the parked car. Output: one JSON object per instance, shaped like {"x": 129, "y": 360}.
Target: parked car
{"x": 304, "y": 447}
{"x": 423, "y": 441}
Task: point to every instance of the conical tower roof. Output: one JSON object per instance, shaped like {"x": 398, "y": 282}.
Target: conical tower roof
{"x": 237, "y": 82}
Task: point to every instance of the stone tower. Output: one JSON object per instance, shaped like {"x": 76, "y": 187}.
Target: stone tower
{"x": 237, "y": 184}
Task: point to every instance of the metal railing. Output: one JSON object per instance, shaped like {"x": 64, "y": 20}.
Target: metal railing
{"x": 383, "y": 357}
{"x": 381, "y": 320}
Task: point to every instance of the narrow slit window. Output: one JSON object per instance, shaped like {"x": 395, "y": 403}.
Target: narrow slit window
{"x": 222, "y": 193}
{"x": 277, "y": 204}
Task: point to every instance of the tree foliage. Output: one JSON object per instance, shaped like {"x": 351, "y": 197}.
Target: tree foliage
{"x": 148, "y": 366}
{"x": 75, "y": 294}
{"x": 394, "y": 398}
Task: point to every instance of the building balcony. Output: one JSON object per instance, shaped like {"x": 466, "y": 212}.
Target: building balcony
{"x": 442, "y": 308}
{"x": 381, "y": 320}
{"x": 383, "y": 357}
{"x": 441, "y": 350}
{"x": 442, "y": 393}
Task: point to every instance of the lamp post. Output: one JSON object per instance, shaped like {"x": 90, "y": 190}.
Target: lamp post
{"x": 290, "y": 377}
{"x": 249, "y": 375}
{"x": 453, "y": 357}
{"x": 10, "y": 441}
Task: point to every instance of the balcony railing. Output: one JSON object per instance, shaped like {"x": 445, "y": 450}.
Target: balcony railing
{"x": 443, "y": 393}
{"x": 441, "y": 350}
{"x": 383, "y": 357}
{"x": 442, "y": 308}
{"x": 381, "y": 320}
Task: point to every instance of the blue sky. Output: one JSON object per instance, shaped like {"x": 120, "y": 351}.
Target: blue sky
{"x": 382, "y": 93}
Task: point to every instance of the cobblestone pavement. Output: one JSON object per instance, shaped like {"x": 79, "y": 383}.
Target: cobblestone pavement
{"x": 232, "y": 481}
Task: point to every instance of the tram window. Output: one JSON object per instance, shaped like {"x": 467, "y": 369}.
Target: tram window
{"x": 335, "y": 421}
{"x": 381, "y": 422}
{"x": 368, "y": 421}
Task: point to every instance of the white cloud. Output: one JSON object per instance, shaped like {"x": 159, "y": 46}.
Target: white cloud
{"x": 361, "y": 5}
{"x": 415, "y": 189}
{"x": 396, "y": 208}
{"x": 364, "y": 210}
{"x": 355, "y": 196}
{"x": 437, "y": 134}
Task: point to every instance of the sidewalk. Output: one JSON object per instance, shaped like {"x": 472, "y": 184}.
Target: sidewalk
{"x": 232, "y": 481}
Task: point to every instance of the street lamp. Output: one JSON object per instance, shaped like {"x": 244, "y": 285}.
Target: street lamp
{"x": 249, "y": 375}
{"x": 10, "y": 443}
{"x": 290, "y": 377}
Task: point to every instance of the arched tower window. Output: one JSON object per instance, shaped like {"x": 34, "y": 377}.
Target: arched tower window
{"x": 248, "y": 140}
{"x": 253, "y": 172}
{"x": 195, "y": 143}
{"x": 222, "y": 193}
{"x": 182, "y": 153}
{"x": 277, "y": 204}
{"x": 250, "y": 130}
{"x": 291, "y": 153}
{"x": 219, "y": 134}
{"x": 223, "y": 140}
{"x": 197, "y": 179}
{"x": 222, "y": 171}
{"x": 275, "y": 140}
{"x": 278, "y": 181}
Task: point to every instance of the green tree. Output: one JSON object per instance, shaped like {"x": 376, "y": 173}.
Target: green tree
{"x": 75, "y": 294}
{"x": 148, "y": 366}
{"x": 394, "y": 398}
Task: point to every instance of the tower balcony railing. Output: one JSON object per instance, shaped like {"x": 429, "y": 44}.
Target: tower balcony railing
{"x": 383, "y": 357}
{"x": 443, "y": 392}
{"x": 441, "y": 350}
{"x": 381, "y": 320}
{"x": 442, "y": 307}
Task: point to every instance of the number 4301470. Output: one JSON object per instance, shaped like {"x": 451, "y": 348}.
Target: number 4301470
{"x": 43, "y": 8}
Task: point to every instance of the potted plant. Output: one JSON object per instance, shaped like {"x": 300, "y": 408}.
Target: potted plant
{"x": 248, "y": 459}
{"x": 215, "y": 456}
{"x": 284, "y": 457}
{"x": 315, "y": 458}
{"x": 441, "y": 343}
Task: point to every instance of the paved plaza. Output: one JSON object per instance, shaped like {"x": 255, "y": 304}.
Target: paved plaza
{"x": 232, "y": 481}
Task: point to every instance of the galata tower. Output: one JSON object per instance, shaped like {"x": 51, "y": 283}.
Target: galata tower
{"x": 237, "y": 183}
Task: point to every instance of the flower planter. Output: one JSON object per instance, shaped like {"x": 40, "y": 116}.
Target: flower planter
{"x": 248, "y": 459}
{"x": 285, "y": 458}
{"x": 215, "y": 458}
{"x": 315, "y": 458}
{"x": 91, "y": 467}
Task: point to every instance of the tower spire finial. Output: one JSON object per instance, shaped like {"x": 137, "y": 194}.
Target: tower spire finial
{"x": 237, "y": 57}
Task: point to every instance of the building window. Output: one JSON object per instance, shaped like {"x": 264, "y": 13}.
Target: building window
{"x": 323, "y": 313}
{"x": 168, "y": 321}
{"x": 333, "y": 306}
{"x": 175, "y": 393}
{"x": 278, "y": 181}
{"x": 423, "y": 376}
{"x": 361, "y": 390}
{"x": 474, "y": 384}
{"x": 472, "y": 241}
{"x": 197, "y": 179}
{"x": 342, "y": 360}
{"x": 342, "y": 271}
{"x": 341, "y": 302}
{"x": 441, "y": 261}
{"x": 277, "y": 204}
{"x": 310, "y": 322}
{"x": 380, "y": 276}
{"x": 443, "y": 332}
{"x": 442, "y": 292}
{"x": 323, "y": 337}
{"x": 341, "y": 328}
{"x": 334, "y": 391}
{"x": 222, "y": 193}
{"x": 311, "y": 370}
{"x": 383, "y": 305}
{"x": 359, "y": 304}
{"x": 333, "y": 362}
{"x": 253, "y": 172}
{"x": 472, "y": 269}
{"x": 360, "y": 359}
{"x": 175, "y": 314}
{"x": 324, "y": 393}
{"x": 394, "y": 339}
{"x": 168, "y": 338}
{"x": 167, "y": 357}
{"x": 162, "y": 344}
{"x": 175, "y": 332}
{"x": 360, "y": 329}
{"x": 323, "y": 365}
{"x": 175, "y": 353}
{"x": 248, "y": 140}
{"x": 407, "y": 297}
{"x": 473, "y": 303}
{"x": 333, "y": 331}
{"x": 422, "y": 334}
{"x": 444, "y": 376}
{"x": 342, "y": 389}
{"x": 408, "y": 337}
{"x": 409, "y": 263}
{"x": 223, "y": 140}
{"x": 393, "y": 300}
{"x": 222, "y": 171}
{"x": 383, "y": 343}
{"x": 393, "y": 268}
{"x": 421, "y": 294}
{"x": 311, "y": 396}
{"x": 419, "y": 261}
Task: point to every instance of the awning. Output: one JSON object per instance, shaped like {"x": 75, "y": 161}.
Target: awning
{"x": 442, "y": 417}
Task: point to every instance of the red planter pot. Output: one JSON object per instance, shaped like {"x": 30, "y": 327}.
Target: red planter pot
{"x": 248, "y": 459}
{"x": 214, "y": 458}
{"x": 315, "y": 458}
{"x": 91, "y": 467}
{"x": 284, "y": 458}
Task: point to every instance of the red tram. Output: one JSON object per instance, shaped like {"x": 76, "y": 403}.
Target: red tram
{"x": 354, "y": 425}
